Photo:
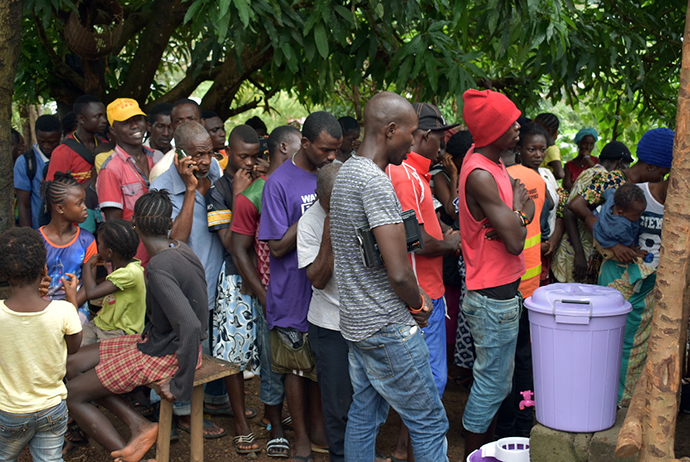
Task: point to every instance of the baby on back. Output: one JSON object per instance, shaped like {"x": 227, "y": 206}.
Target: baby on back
{"x": 619, "y": 220}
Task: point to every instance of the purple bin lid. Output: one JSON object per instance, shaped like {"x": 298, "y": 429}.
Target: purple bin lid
{"x": 575, "y": 299}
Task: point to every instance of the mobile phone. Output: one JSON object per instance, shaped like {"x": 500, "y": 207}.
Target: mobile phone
{"x": 180, "y": 153}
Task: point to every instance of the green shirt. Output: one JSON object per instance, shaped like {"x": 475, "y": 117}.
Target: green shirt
{"x": 126, "y": 307}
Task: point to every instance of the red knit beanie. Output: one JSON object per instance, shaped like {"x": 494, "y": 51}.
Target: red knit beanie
{"x": 488, "y": 115}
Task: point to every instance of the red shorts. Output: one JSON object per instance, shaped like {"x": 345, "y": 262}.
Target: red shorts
{"x": 123, "y": 366}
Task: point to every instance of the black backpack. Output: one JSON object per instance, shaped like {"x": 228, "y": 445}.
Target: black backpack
{"x": 30, "y": 159}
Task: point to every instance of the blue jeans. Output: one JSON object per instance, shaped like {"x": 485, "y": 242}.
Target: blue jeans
{"x": 272, "y": 383}
{"x": 392, "y": 368}
{"x": 494, "y": 326}
{"x": 43, "y": 431}
{"x": 435, "y": 337}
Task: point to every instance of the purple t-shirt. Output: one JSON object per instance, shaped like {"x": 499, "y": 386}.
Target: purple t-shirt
{"x": 288, "y": 193}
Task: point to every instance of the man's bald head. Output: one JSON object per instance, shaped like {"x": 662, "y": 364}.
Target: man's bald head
{"x": 389, "y": 125}
{"x": 387, "y": 107}
{"x": 188, "y": 132}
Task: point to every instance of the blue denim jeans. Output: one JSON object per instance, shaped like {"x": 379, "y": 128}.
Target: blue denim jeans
{"x": 494, "y": 326}
{"x": 435, "y": 337}
{"x": 392, "y": 368}
{"x": 43, "y": 431}
{"x": 272, "y": 383}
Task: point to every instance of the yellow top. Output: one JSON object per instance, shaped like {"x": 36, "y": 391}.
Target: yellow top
{"x": 33, "y": 355}
{"x": 552, "y": 153}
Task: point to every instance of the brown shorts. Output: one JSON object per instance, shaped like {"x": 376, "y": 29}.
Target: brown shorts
{"x": 287, "y": 360}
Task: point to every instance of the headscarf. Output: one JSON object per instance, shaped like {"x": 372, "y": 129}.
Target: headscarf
{"x": 584, "y": 132}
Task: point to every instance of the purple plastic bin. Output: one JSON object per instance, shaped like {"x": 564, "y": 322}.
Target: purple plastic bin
{"x": 577, "y": 342}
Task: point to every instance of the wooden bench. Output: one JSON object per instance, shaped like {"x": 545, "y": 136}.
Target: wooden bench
{"x": 210, "y": 370}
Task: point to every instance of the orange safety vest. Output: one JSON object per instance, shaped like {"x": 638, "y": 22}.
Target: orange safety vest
{"x": 537, "y": 190}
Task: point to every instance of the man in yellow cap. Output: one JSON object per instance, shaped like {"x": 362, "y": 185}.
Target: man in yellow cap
{"x": 124, "y": 175}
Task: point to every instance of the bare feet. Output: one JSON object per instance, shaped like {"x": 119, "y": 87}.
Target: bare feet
{"x": 140, "y": 442}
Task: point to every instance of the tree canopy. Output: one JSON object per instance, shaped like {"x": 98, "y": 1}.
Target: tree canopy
{"x": 622, "y": 54}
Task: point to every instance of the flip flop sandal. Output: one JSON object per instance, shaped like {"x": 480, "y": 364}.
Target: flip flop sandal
{"x": 245, "y": 439}
{"x": 76, "y": 435}
{"x": 286, "y": 423}
{"x": 278, "y": 447}
{"x": 319, "y": 449}
{"x": 207, "y": 424}
{"x": 226, "y": 410}
{"x": 303, "y": 458}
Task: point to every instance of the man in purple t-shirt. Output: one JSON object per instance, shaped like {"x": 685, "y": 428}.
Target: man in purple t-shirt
{"x": 289, "y": 191}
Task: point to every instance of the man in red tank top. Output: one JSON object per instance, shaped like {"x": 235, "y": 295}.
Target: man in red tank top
{"x": 494, "y": 211}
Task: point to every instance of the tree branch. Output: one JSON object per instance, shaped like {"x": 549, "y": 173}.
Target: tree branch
{"x": 152, "y": 44}
{"x": 228, "y": 81}
{"x": 61, "y": 68}
{"x": 187, "y": 85}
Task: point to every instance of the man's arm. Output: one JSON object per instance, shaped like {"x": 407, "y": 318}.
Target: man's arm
{"x": 242, "y": 246}
{"x": 393, "y": 248}
{"x": 112, "y": 213}
{"x": 436, "y": 248}
{"x": 320, "y": 271}
{"x": 281, "y": 247}
{"x": 182, "y": 225}
{"x": 24, "y": 206}
{"x": 557, "y": 168}
{"x": 482, "y": 194}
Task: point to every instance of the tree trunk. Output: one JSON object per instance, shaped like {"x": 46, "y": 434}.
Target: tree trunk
{"x": 669, "y": 321}
{"x": 10, "y": 41}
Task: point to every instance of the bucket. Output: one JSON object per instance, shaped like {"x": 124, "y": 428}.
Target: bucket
{"x": 577, "y": 342}
{"x": 514, "y": 449}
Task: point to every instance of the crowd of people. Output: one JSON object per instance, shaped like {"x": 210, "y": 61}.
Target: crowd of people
{"x": 147, "y": 240}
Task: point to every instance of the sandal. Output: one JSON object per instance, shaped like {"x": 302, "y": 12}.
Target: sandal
{"x": 286, "y": 423}
{"x": 245, "y": 439}
{"x": 278, "y": 447}
{"x": 226, "y": 410}
{"x": 207, "y": 424}
{"x": 76, "y": 435}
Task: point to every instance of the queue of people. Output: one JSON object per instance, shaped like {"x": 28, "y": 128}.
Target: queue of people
{"x": 136, "y": 255}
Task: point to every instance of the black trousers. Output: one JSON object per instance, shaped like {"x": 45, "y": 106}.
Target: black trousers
{"x": 330, "y": 350}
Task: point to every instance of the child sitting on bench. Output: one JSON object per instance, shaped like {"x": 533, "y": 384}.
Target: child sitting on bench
{"x": 169, "y": 349}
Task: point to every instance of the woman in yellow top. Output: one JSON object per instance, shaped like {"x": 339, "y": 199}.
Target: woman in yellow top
{"x": 552, "y": 157}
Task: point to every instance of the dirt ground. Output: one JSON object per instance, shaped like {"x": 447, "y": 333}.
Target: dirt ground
{"x": 222, "y": 449}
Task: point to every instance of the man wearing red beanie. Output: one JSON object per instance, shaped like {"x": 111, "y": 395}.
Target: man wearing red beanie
{"x": 494, "y": 211}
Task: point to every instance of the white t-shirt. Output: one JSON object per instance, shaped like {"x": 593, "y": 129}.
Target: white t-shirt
{"x": 325, "y": 303}
{"x": 33, "y": 356}
{"x": 650, "y": 225}
{"x": 552, "y": 187}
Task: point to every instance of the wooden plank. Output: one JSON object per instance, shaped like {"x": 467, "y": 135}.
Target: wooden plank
{"x": 197, "y": 422}
{"x": 164, "y": 427}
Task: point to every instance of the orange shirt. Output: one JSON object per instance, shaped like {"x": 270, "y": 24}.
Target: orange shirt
{"x": 411, "y": 182}
{"x": 537, "y": 190}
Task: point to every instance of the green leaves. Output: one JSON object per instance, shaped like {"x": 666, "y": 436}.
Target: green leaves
{"x": 321, "y": 40}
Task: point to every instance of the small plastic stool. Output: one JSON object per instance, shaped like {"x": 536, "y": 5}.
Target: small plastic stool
{"x": 513, "y": 449}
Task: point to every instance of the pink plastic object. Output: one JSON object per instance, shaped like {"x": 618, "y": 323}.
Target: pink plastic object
{"x": 527, "y": 400}
{"x": 577, "y": 341}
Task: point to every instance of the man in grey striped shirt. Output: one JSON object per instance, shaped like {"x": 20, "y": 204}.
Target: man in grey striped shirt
{"x": 382, "y": 308}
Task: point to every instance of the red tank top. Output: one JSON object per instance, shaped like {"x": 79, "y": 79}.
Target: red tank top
{"x": 488, "y": 263}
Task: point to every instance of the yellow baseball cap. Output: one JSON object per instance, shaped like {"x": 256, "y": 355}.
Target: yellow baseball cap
{"x": 122, "y": 109}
